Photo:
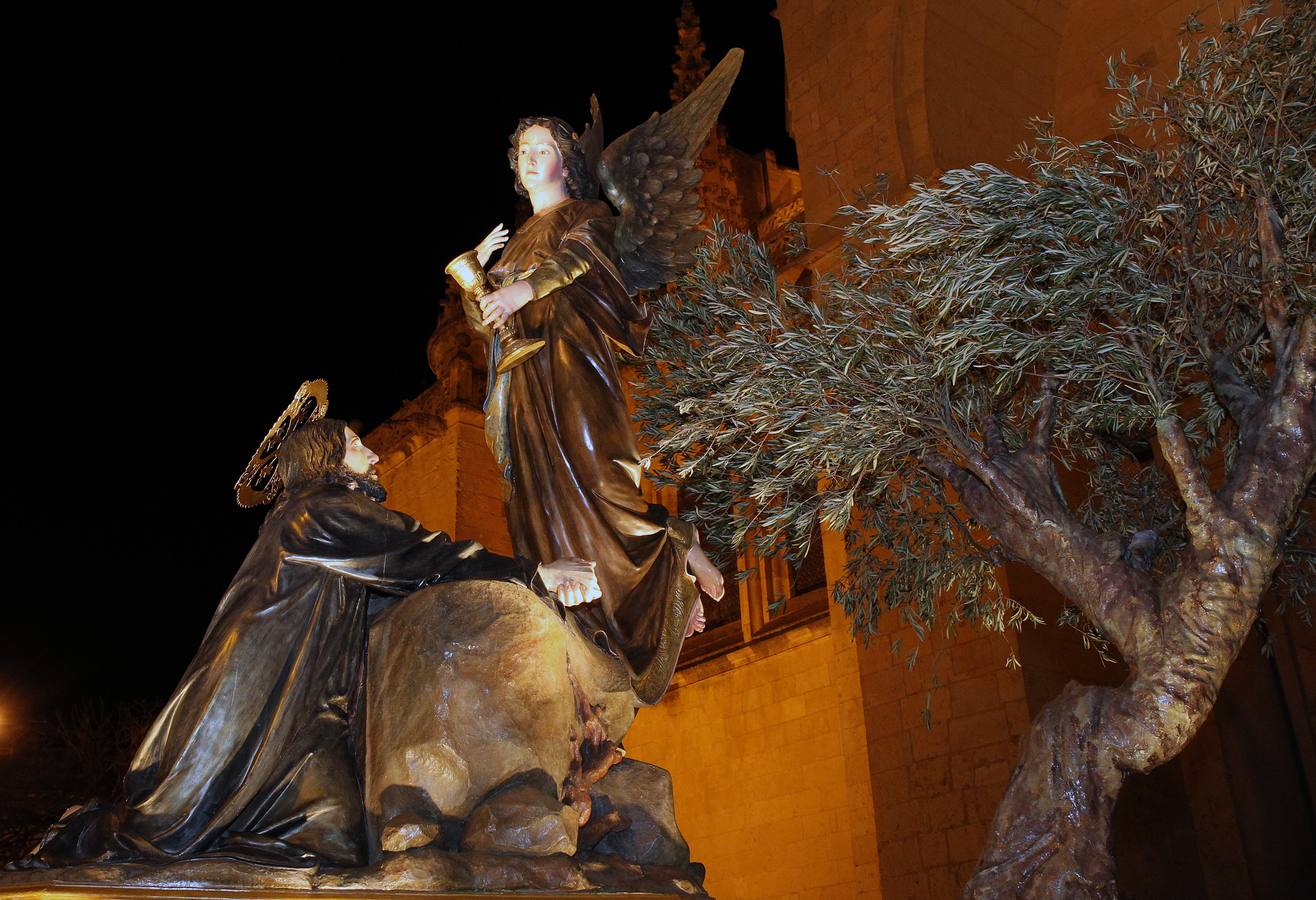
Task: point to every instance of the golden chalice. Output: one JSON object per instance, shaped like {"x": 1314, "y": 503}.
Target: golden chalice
{"x": 512, "y": 348}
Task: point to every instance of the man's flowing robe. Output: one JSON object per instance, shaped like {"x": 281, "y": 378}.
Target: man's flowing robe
{"x": 254, "y": 756}
{"x": 570, "y": 450}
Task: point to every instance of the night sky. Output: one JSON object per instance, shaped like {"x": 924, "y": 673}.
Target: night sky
{"x": 216, "y": 208}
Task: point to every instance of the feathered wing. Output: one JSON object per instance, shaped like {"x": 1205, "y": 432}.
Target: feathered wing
{"x": 591, "y": 141}
{"x": 649, "y": 174}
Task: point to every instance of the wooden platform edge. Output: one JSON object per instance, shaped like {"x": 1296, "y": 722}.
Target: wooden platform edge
{"x": 110, "y": 892}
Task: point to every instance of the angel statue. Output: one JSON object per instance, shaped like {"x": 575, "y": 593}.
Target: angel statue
{"x": 556, "y": 417}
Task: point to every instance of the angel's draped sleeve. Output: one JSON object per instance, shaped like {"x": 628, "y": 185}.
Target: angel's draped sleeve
{"x": 572, "y": 245}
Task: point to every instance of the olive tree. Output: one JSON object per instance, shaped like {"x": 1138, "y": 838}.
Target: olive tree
{"x": 1102, "y": 368}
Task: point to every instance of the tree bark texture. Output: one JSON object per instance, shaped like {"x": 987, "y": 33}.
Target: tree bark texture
{"x": 1179, "y": 634}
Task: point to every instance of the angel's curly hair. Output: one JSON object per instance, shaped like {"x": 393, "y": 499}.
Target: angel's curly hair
{"x": 580, "y": 181}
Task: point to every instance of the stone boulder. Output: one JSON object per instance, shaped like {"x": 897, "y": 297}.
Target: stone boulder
{"x": 482, "y": 698}
{"x": 641, "y": 796}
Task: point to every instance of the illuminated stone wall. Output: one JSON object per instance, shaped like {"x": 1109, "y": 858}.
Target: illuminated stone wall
{"x": 449, "y": 483}
{"x": 912, "y": 87}
{"x": 767, "y": 747}
{"x": 433, "y": 457}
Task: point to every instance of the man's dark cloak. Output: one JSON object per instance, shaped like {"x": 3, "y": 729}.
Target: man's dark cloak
{"x": 254, "y": 756}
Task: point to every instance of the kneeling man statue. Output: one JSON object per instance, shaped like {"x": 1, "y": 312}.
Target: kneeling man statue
{"x": 256, "y": 755}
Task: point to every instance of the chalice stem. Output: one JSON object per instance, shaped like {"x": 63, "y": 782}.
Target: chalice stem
{"x": 514, "y": 349}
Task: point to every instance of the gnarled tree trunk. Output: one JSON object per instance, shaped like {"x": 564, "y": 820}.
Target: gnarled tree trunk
{"x": 1052, "y": 833}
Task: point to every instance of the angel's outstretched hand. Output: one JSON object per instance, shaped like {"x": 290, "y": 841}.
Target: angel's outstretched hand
{"x": 572, "y": 580}
{"x": 494, "y": 240}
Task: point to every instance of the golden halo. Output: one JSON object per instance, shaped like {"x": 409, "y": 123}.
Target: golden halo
{"x": 260, "y": 482}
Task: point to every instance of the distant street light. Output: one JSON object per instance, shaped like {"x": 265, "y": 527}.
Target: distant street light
{"x": 7, "y": 742}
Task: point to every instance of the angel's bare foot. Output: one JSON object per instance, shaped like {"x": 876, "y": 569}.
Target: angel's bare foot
{"x": 706, "y": 574}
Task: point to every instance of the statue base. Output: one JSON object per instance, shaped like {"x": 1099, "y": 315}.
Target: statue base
{"x": 494, "y": 730}
{"x": 424, "y": 872}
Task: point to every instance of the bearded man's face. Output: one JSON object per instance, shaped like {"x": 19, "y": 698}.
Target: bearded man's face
{"x": 358, "y": 458}
{"x": 359, "y": 467}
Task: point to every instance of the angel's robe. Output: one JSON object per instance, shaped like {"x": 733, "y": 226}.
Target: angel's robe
{"x": 571, "y": 454}
{"x": 255, "y": 756}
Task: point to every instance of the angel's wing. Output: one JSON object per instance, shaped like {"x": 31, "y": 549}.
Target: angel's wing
{"x": 591, "y": 140}
{"x": 649, "y": 174}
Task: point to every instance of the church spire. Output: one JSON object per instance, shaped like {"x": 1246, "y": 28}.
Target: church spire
{"x": 690, "y": 67}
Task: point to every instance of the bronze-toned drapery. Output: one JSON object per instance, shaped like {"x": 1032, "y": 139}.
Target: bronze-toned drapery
{"x": 254, "y": 756}
{"x": 571, "y": 452}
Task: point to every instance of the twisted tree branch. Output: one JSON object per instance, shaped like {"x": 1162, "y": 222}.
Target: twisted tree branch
{"x": 1044, "y": 424}
{"x": 1238, "y": 398}
{"x": 1015, "y": 495}
{"x": 992, "y": 439}
{"x": 1202, "y": 507}
{"x": 1277, "y": 457}
{"x": 988, "y": 474}
{"x": 1274, "y": 303}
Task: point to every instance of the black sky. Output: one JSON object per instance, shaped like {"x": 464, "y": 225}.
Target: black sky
{"x": 215, "y": 208}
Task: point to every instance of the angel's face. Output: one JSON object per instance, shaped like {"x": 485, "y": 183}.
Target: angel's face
{"x": 538, "y": 160}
